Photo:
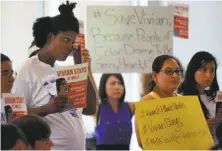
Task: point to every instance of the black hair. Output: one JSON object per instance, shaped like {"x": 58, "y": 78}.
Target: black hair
{"x": 10, "y": 134}
{"x": 7, "y": 108}
{"x": 34, "y": 127}
{"x": 102, "y": 87}
{"x": 34, "y": 53}
{"x": 158, "y": 64}
{"x": 4, "y": 58}
{"x": 65, "y": 21}
{"x": 150, "y": 88}
{"x": 58, "y": 83}
{"x": 188, "y": 87}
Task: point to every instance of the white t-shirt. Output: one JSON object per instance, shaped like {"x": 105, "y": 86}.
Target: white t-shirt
{"x": 210, "y": 105}
{"x": 36, "y": 81}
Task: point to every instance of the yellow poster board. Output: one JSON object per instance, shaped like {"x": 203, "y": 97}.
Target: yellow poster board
{"x": 173, "y": 123}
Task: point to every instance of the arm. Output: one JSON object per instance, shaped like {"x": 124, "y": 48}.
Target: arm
{"x": 95, "y": 115}
{"x": 82, "y": 56}
{"x": 40, "y": 111}
{"x": 132, "y": 107}
{"x": 54, "y": 105}
{"x": 22, "y": 86}
{"x": 91, "y": 96}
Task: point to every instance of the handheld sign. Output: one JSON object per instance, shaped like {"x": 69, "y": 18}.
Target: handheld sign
{"x": 81, "y": 37}
{"x": 14, "y": 106}
{"x": 3, "y": 115}
{"x": 181, "y": 19}
{"x": 173, "y": 123}
{"x": 76, "y": 77}
{"x": 128, "y": 39}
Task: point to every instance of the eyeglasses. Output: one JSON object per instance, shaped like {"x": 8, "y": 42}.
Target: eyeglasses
{"x": 171, "y": 71}
{"x": 8, "y": 73}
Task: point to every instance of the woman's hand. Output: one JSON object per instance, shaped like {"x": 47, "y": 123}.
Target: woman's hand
{"x": 58, "y": 103}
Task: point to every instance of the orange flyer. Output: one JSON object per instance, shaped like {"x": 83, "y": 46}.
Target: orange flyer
{"x": 14, "y": 106}
{"x": 81, "y": 36}
{"x": 76, "y": 78}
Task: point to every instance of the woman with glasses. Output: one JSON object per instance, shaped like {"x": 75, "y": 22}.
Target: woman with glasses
{"x": 114, "y": 129}
{"x": 7, "y": 74}
{"x": 201, "y": 80}
{"x": 36, "y": 130}
{"x": 166, "y": 75}
{"x": 62, "y": 85}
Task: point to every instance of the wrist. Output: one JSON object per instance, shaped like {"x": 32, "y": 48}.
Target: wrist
{"x": 45, "y": 110}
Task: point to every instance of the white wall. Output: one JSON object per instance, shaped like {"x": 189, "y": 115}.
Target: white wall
{"x": 205, "y": 32}
{"x": 17, "y": 18}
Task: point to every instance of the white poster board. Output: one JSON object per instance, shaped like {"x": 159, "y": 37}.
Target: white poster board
{"x": 128, "y": 39}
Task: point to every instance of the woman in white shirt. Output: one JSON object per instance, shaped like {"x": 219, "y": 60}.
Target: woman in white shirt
{"x": 201, "y": 79}
{"x": 36, "y": 80}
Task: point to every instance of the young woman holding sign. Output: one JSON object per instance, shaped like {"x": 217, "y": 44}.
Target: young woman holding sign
{"x": 166, "y": 76}
{"x": 201, "y": 80}
{"x": 55, "y": 37}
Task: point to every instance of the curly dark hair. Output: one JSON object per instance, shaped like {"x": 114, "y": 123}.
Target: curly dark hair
{"x": 65, "y": 21}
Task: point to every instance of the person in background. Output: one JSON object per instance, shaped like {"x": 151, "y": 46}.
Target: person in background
{"x": 36, "y": 130}
{"x": 114, "y": 129}
{"x": 201, "y": 80}
{"x": 166, "y": 75}
{"x": 146, "y": 82}
{"x": 7, "y": 74}
{"x": 55, "y": 37}
{"x": 62, "y": 85}
{"x": 12, "y": 138}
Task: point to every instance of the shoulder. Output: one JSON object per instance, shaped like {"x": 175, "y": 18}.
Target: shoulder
{"x": 147, "y": 97}
{"x": 150, "y": 96}
{"x": 132, "y": 106}
{"x": 26, "y": 67}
